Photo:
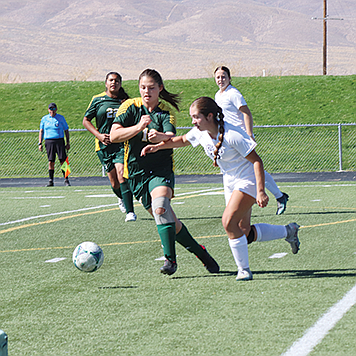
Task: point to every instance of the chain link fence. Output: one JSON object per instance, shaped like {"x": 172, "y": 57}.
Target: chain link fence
{"x": 283, "y": 148}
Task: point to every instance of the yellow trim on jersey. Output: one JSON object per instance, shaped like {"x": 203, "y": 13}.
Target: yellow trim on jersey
{"x": 126, "y": 155}
{"x": 127, "y": 103}
{"x": 94, "y": 97}
{"x": 97, "y": 146}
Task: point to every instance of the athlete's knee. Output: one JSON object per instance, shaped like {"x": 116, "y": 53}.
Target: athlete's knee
{"x": 162, "y": 211}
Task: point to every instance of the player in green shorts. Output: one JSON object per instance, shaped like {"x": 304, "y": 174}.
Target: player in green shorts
{"x": 145, "y": 120}
{"x": 111, "y": 155}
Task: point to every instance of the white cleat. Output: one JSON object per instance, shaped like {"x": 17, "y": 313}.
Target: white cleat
{"x": 121, "y": 205}
{"x": 130, "y": 217}
{"x": 244, "y": 275}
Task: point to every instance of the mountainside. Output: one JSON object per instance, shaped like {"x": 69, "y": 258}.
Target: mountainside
{"x": 51, "y": 40}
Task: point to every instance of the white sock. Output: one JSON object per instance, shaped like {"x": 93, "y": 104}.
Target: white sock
{"x": 240, "y": 251}
{"x": 267, "y": 232}
{"x": 272, "y": 186}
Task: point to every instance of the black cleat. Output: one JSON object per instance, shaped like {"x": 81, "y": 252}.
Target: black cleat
{"x": 66, "y": 182}
{"x": 50, "y": 184}
{"x": 282, "y": 204}
{"x": 169, "y": 267}
{"x": 209, "y": 263}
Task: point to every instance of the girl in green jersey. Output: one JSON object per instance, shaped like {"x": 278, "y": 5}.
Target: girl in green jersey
{"x": 104, "y": 107}
{"x": 139, "y": 122}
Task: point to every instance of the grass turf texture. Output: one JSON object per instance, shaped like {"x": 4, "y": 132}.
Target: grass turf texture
{"x": 272, "y": 100}
{"x": 128, "y": 308}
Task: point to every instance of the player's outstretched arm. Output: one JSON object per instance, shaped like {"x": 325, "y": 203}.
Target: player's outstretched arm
{"x": 174, "y": 142}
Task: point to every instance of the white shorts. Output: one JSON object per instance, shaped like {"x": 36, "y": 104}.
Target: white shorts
{"x": 247, "y": 186}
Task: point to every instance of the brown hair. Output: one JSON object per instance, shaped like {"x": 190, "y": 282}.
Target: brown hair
{"x": 205, "y": 106}
{"x": 122, "y": 93}
{"x": 225, "y": 69}
{"x": 173, "y": 99}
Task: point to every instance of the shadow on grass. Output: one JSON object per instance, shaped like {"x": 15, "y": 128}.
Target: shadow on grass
{"x": 119, "y": 287}
{"x": 328, "y": 273}
{"x": 324, "y": 273}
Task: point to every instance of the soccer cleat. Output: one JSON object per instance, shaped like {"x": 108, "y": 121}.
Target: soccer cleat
{"x": 209, "y": 263}
{"x": 66, "y": 182}
{"x": 50, "y": 184}
{"x": 169, "y": 267}
{"x": 130, "y": 217}
{"x": 282, "y": 204}
{"x": 292, "y": 236}
{"x": 121, "y": 205}
{"x": 244, "y": 275}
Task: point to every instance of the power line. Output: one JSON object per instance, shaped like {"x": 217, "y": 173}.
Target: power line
{"x": 325, "y": 18}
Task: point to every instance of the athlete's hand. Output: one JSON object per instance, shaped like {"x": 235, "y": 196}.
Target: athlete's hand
{"x": 262, "y": 199}
{"x": 144, "y": 122}
{"x": 155, "y": 137}
{"x": 149, "y": 149}
{"x": 105, "y": 139}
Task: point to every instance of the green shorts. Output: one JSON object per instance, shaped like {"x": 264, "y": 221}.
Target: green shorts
{"x": 111, "y": 155}
{"x": 142, "y": 186}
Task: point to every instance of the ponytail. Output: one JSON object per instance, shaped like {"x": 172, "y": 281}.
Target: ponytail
{"x": 220, "y": 120}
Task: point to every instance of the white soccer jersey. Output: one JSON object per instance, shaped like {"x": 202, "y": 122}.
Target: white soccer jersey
{"x": 230, "y": 100}
{"x": 238, "y": 172}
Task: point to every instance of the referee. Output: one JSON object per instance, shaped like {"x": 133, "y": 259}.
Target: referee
{"x": 53, "y": 127}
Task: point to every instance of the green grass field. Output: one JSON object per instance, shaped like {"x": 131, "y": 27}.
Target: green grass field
{"x": 128, "y": 308}
{"x": 272, "y": 100}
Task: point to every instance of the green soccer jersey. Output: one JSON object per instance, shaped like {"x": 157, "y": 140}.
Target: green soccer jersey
{"x": 129, "y": 114}
{"x": 104, "y": 109}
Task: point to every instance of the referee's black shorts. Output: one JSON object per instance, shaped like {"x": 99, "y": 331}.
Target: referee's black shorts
{"x": 54, "y": 146}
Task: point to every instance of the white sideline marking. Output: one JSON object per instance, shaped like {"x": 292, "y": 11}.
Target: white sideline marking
{"x": 58, "y": 197}
{"x": 84, "y": 209}
{"x": 53, "y": 214}
{"x": 44, "y": 206}
{"x": 57, "y": 259}
{"x": 312, "y": 337}
{"x": 160, "y": 258}
{"x": 101, "y": 196}
{"x": 279, "y": 255}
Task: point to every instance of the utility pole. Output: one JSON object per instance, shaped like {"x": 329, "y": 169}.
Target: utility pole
{"x": 325, "y": 42}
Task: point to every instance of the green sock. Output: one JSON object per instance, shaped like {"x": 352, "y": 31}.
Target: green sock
{"x": 167, "y": 233}
{"x": 117, "y": 192}
{"x": 186, "y": 240}
{"x": 127, "y": 197}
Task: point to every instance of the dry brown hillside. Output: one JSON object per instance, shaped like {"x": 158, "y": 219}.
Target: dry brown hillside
{"x": 52, "y": 40}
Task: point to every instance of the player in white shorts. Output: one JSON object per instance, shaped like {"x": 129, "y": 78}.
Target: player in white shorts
{"x": 236, "y": 112}
{"x": 234, "y": 152}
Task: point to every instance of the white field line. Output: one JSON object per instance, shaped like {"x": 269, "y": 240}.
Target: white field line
{"x": 54, "y": 214}
{"x": 85, "y": 209}
{"x": 312, "y": 337}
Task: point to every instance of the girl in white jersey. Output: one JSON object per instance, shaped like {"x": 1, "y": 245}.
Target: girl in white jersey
{"x": 236, "y": 112}
{"x": 234, "y": 152}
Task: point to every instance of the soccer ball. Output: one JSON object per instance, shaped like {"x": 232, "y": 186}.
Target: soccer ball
{"x": 88, "y": 256}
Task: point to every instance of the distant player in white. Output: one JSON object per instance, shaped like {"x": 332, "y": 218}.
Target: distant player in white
{"x": 234, "y": 152}
{"x": 236, "y": 112}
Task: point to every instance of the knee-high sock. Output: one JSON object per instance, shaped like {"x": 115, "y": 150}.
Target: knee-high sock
{"x": 240, "y": 252}
{"x": 167, "y": 233}
{"x": 51, "y": 174}
{"x": 117, "y": 192}
{"x": 127, "y": 196}
{"x": 272, "y": 186}
{"x": 267, "y": 232}
{"x": 187, "y": 241}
